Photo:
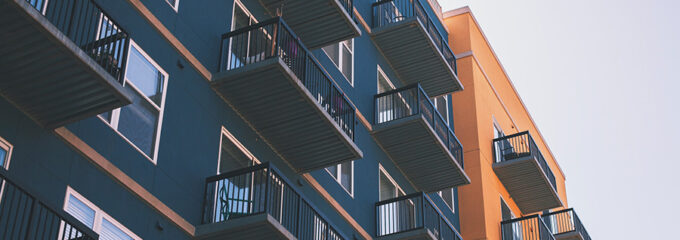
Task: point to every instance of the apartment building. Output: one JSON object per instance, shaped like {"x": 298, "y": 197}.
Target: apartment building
{"x": 230, "y": 119}
{"x": 517, "y": 188}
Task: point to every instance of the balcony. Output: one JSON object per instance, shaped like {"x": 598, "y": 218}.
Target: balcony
{"x": 415, "y": 136}
{"x": 414, "y": 47}
{"x": 62, "y": 61}
{"x": 318, "y": 23}
{"x": 524, "y": 172}
{"x": 24, "y": 216}
{"x": 412, "y": 217}
{"x": 258, "y": 203}
{"x": 273, "y": 81}
{"x": 565, "y": 225}
{"x": 526, "y": 228}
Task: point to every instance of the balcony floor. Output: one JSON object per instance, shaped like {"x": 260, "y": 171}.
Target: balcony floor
{"x": 273, "y": 100}
{"x": 527, "y": 184}
{"x": 318, "y": 23}
{"x": 413, "y": 54}
{"x": 417, "y": 234}
{"x": 573, "y": 235}
{"x": 260, "y": 226}
{"x": 417, "y": 150}
{"x": 46, "y": 75}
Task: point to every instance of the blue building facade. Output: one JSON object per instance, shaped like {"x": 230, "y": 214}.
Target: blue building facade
{"x": 210, "y": 114}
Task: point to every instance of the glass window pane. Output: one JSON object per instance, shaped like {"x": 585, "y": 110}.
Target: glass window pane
{"x": 80, "y": 211}
{"x": 347, "y": 63}
{"x": 346, "y": 176}
{"x": 3, "y": 157}
{"x": 333, "y": 170}
{"x": 333, "y": 53}
{"x": 138, "y": 122}
{"x": 145, "y": 76}
{"x": 109, "y": 231}
{"x": 387, "y": 189}
{"x": 447, "y": 195}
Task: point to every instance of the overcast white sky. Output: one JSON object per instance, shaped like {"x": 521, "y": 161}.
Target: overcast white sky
{"x": 600, "y": 78}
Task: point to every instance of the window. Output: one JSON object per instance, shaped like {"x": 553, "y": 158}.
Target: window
{"x": 497, "y": 132}
{"x": 96, "y": 219}
{"x": 174, "y": 4}
{"x": 449, "y": 198}
{"x": 5, "y": 153}
{"x": 344, "y": 174}
{"x": 342, "y": 54}
{"x": 388, "y": 187}
{"x": 393, "y": 216}
{"x": 384, "y": 84}
{"x": 442, "y": 105}
{"x": 140, "y": 122}
{"x": 233, "y": 155}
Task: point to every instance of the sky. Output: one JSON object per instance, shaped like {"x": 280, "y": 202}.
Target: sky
{"x": 600, "y": 78}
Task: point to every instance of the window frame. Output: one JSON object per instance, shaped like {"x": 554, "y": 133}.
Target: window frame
{"x": 5, "y": 145}
{"x": 381, "y": 170}
{"x": 99, "y": 214}
{"x": 453, "y": 200}
{"x": 341, "y": 57}
{"x": 230, "y": 137}
{"x": 175, "y": 7}
{"x": 435, "y": 101}
{"x": 115, "y": 114}
{"x": 338, "y": 175}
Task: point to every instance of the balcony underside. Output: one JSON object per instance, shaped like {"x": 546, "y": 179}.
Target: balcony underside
{"x": 417, "y": 234}
{"x": 417, "y": 150}
{"x": 527, "y": 184}
{"x": 414, "y": 56}
{"x": 573, "y": 235}
{"x": 274, "y": 101}
{"x": 46, "y": 75}
{"x": 260, "y": 226}
{"x": 318, "y": 23}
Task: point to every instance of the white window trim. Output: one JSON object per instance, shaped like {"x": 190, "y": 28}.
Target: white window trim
{"x": 377, "y": 82}
{"x": 115, "y": 114}
{"x": 445, "y": 115}
{"x": 225, "y": 133}
{"x": 340, "y": 62}
{"x": 4, "y": 144}
{"x": 383, "y": 171}
{"x": 338, "y": 173}
{"x": 175, "y": 7}
{"x": 99, "y": 214}
{"x": 453, "y": 201}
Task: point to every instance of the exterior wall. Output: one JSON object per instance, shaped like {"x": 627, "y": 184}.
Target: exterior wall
{"x": 191, "y": 128}
{"x": 488, "y": 96}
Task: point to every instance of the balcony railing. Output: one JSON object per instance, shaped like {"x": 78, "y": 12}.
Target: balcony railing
{"x": 565, "y": 221}
{"x": 412, "y": 212}
{"x": 90, "y": 28}
{"x": 24, "y": 216}
{"x": 410, "y": 101}
{"x": 274, "y": 39}
{"x": 262, "y": 190}
{"x": 520, "y": 145}
{"x": 387, "y": 12}
{"x": 526, "y": 228}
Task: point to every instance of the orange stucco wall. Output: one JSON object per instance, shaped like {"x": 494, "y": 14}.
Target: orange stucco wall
{"x": 488, "y": 95}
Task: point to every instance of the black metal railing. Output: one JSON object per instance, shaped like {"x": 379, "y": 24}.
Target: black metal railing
{"x": 521, "y": 145}
{"x": 24, "y": 216}
{"x": 349, "y": 7}
{"x": 274, "y": 39}
{"x": 90, "y": 28}
{"x": 411, "y": 212}
{"x": 565, "y": 221}
{"x": 526, "y": 228}
{"x": 387, "y": 12}
{"x": 262, "y": 190}
{"x": 410, "y": 101}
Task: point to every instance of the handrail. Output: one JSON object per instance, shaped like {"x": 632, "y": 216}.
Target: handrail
{"x": 526, "y": 228}
{"x": 92, "y": 29}
{"x": 410, "y": 101}
{"x": 520, "y": 145}
{"x": 37, "y": 219}
{"x": 263, "y": 189}
{"x": 412, "y": 212}
{"x": 565, "y": 221}
{"x": 273, "y": 38}
{"x": 393, "y": 11}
